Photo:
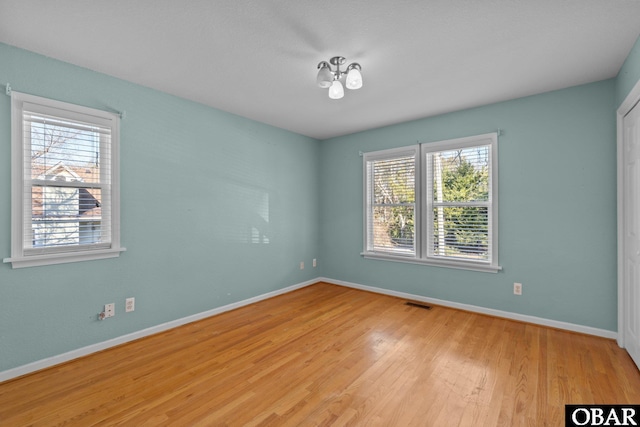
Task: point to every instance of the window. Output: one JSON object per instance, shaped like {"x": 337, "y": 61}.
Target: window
{"x": 65, "y": 198}
{"x": 434, "y": 203}
{"x": 391, "y": 202}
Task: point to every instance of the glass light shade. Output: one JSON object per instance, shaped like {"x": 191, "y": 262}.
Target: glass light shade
{"x": 354, "y": 79}
{"x": 336, "y": 91}
{"x": 325, "y": 77}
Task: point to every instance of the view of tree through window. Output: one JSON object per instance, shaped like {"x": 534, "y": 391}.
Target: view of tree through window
{"x": 460, "y": 202}
{"x": 394, "y": 204}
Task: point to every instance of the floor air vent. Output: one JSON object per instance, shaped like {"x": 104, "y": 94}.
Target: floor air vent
{"x": 418, "y": 304}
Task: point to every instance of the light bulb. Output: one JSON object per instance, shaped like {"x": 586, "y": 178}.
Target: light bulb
{"x": 325, "y": 77}
{"x": 336, "y": 91}
{"x": 354, "y": 79}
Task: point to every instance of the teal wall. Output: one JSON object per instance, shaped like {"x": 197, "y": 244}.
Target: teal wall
{"x": 557, "y": 207}
{"x": 195, "y": 181}
{"x": 629, "y": 74}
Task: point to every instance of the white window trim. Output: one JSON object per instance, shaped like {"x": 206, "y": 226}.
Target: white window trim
{"x": 422, "y": 204}
{"x": 19, "y": 254}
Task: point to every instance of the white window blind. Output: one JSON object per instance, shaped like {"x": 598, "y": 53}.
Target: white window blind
{"x": 391, "y": 202}
{"x": 64, "y": 182}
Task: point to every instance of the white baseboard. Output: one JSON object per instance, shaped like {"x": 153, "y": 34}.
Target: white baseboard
{"x": 84, "y": 351}
{"x": 482, "y": 310}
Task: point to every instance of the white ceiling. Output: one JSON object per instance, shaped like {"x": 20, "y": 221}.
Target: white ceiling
{"x": 258, "y": 58}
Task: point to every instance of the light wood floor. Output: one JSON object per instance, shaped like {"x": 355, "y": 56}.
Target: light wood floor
{"x": 328, "y": 355}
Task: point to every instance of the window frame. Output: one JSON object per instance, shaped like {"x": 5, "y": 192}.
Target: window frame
{"x": 390, "y": 154}
{"x": 21, "y": 204}
{"x": 423, "y": 188}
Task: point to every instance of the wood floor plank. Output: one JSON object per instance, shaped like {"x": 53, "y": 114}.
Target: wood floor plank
{"x": 329, "y": 355}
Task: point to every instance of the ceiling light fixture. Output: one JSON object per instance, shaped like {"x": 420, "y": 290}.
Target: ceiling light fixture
{"x": 327, "y": 78}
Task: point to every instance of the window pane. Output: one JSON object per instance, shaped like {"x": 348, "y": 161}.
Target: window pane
{"x": 391, "y": 204}
{"x": 49, "y": 232}
{"x": 63, "y": 216}
{"x": 394, "y": 181}
{"x": 63, "y": 152}
{"x": 461, "y": 232}
{"x": 461, "y": 175}
{"x": 393, "y": 229}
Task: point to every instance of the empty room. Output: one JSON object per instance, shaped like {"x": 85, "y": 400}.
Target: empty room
{"x": 298, "y": 213}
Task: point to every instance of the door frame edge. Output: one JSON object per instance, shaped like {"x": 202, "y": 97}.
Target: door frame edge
{"x": 630, "y": 101}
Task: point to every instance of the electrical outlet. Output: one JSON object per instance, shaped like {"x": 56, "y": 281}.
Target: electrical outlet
{"x": 301, "y": 265}
{"x": 315, "y": 264}
{"x": 517, "y": 288}
{"x": 109, "y": 310}
{"x": 130, "y": 304}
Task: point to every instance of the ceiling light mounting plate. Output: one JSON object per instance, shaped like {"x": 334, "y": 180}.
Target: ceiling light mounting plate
{"x": 338, "y": 60}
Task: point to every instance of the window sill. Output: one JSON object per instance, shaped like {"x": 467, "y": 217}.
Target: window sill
{"x": 473, "y": 266}
{"x": 61, "y": 258}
